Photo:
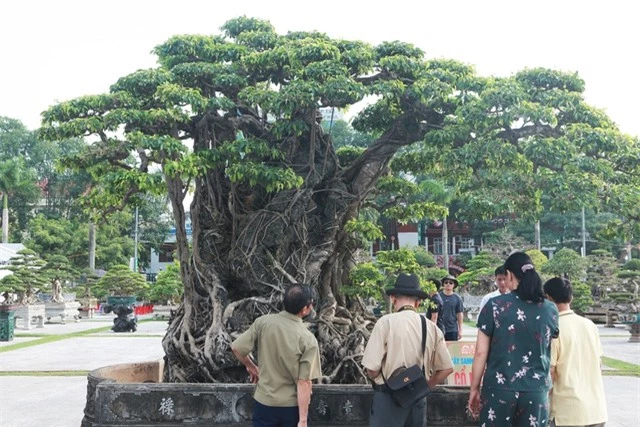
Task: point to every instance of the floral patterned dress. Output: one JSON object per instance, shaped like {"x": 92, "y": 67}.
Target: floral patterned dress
{"x": 516, "y": 381}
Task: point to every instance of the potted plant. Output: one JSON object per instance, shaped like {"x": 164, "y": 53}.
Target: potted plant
{"x": 7, "y": 308}
{"x": 19, "y": 289}
{"x": 88, "y": 302}
{"x": 121, "y": 286}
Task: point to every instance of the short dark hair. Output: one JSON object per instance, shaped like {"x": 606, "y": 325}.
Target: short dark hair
{"x": 559, "y": 289}
{"x": 297, "y": 297}
{"x": 500, "y": 270}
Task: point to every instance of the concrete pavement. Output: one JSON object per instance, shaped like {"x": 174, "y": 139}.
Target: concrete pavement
{"x": 29, "y": 400}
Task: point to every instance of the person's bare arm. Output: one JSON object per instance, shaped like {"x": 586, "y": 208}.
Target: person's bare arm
{"x": 247, "y": 361}
{"x": 434, "y": 317}
{"x": 460, "y": 319}
{"x": 304, "y": 398}
{"x": 483, "y": 343}
{"x": 438, "y": 377}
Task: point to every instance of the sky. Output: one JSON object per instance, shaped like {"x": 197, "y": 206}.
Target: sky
{"x": 53, "y": 51}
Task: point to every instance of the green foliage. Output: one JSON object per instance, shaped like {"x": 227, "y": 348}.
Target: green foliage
{"x": 396, "y": 262}
{"x": 366, "y": 229}
{"x": 168, "y": 288}
{"x": 69, "y": 238}
{"x": 59, "y": 268}
{"x": 344, "y": 136}
{"x": 348, "y": 155}
{"x": 566, "y": 263}
{"x": 372, "y": 278}
{"x": 581, "y": 297}
{"x": 601, "y": 271}
{"x": 27, "y": 277}
{"x": 423, "y": 258}
{"x": 366, "y": 281}
{"x": 480, "y": 271}
{"x": 539, "y": 259}
{"x": 121, "y": 281}
{"x": 632, "y": 264}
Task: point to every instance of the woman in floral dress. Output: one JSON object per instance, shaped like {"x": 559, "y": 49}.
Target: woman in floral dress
{"x": 513, "y": 350}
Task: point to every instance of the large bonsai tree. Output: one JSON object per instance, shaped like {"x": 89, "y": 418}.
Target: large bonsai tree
{"x": 236, "y": 118}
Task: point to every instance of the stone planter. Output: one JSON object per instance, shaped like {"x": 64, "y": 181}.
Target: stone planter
{"x": 132, "y": 395}
{"x": 64, "y": 310}
{"x": 30, "y": 312}
{"x": 121, "y": 300}
{"x": 7, "y": 321}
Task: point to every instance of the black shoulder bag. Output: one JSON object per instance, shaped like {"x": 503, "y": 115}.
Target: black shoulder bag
{"x": 408, "y": 385}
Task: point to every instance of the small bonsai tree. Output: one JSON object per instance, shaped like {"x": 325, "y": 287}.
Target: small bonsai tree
{"x": 480, "y": 271}
{"x": 120, "y": 280}
{"x": 168, "y": 288}
{"x": 58, "y": 270}
{"x": 601, "y": 273}
{"x": 88, "y": 279}
{"x": 569, "y": 264}
{"x": 630, "y": 275}
{"x": 27, "y": 278}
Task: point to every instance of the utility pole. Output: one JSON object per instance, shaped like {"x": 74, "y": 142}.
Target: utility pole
{"x": 445, "y": 245}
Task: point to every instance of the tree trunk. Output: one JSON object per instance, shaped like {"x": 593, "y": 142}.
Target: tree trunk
{"x": 5, "y": 218}
{"x": 248, "y": 245}
{"x": 536, "y": 230}
{"x": 92, "y": 246}
{"x": 445, "y": 245}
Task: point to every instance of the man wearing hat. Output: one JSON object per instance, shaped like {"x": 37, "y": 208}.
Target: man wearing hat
{"x": 396, "y": 342}
{"x": 452, "y": 309}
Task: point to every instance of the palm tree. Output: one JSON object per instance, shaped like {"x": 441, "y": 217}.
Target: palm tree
{"x": 14, "y": 177}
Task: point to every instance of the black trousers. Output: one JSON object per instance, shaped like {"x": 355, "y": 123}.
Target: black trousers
{"x": 385, "y": 412}
{"x": 274, "y": 416}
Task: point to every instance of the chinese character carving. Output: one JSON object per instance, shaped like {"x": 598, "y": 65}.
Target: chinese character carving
{"x": 166, "y": 406}
{"x": 322, "y": 408}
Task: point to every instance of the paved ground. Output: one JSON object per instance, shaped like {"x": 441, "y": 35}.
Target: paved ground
{"x": 58, "y": 401}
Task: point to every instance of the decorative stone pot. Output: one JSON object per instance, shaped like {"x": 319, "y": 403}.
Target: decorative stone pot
{"x": 123, "y": 307}
{"x": 121, "y": 300}
{"x": 29, "y": 312}
{"x": 133, "y": 395}
{"x": 7, "y": 321}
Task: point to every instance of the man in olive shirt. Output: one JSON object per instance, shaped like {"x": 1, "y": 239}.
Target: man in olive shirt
{"x": 289, "y": 358}
{"x": 396, "y": 342}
